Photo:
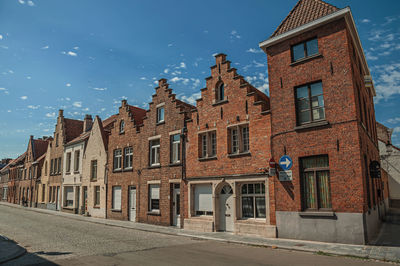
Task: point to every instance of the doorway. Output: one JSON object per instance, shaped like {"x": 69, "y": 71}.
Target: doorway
{"x": 226, "y": 209}
{"x": 132, "y": 203}
{"x": 84, "y": 203}
{"x": 176, "y": 202}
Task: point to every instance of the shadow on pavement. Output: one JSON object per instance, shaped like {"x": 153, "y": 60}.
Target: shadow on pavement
{"x": 389, "y": 234}
{"x": 29, "y": 259}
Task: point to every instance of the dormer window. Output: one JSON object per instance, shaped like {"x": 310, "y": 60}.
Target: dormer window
{"x": 122, "y": 127}
{"x": 304, "y": 49}
{"x": 220, "y": 92}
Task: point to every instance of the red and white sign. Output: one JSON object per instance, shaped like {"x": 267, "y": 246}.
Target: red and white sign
{"x": 272, "y": 163}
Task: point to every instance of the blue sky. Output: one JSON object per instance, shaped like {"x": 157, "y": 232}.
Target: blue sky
{"x": 85, "y": 56}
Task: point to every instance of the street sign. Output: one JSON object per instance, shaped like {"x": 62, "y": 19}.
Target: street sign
{"x": 272, "y": 163}
{"x": 285, "y": 175}
{"x": 272, "y": 171}
{"x": 285, "y": 162}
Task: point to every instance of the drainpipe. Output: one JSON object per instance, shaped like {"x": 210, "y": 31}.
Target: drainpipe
{"x": 182, "y": 194}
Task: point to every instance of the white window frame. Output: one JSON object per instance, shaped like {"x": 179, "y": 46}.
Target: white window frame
{"x": 154, "y": 194}
{"x": 117, "y": 158}
{"x": 128, "y": 153}
{"x": 114, "y": 202}
{"x": 239, "y": 136}
{"x": 122, "y": 126}
{"x": 77, "y": 155}
{"x": 208, "y": 144}
{"x": 155, "y": 149}
{"x": 68, "y": 163}
{"x": 159, "y": 113}
{"x": 253, "y": 195}
{"x": 96, "y": 196}
{"x": 175, "y": 149}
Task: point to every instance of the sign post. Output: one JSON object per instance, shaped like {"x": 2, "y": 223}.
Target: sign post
{"x": 272, "y": 167}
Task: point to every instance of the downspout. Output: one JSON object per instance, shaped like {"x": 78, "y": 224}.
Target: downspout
{"x": 183, "y": 177}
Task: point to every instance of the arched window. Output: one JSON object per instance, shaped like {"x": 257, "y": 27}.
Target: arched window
{"x": 220, "y": 92}
{"x": 122, "y": 126}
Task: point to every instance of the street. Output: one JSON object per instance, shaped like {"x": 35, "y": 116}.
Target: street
{"x": 51, "y": 239}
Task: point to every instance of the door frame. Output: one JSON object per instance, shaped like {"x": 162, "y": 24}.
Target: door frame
{"x": 176, "y": 218}
{"x": 233, "y": 207}
{"x": 130, "y": 188}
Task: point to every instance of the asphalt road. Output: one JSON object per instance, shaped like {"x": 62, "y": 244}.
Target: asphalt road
{"x": 57, "y": 240}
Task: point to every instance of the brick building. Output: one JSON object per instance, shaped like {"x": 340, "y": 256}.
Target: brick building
{"x": 33, "y": 163}
{"x": 323, "y": 117}
{"x": 4, "y": 178}
{"x": 15, "y": 174}
{"x": 228, "y": 151}
{"x": 124, "y": 162}
{"x": 50, "y": 187}
{"x": 160, "y": 179}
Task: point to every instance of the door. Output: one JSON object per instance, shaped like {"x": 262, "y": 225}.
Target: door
{"x": 176, "y": 217}
{"x": 132, "y": 204}
{"x": 226, "y": 209}
{"x": 78, "y": 196}
{"x": 58, "y": 199}
{"x": 84, "y": 203}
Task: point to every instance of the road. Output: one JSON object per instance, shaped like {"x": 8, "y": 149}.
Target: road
{"x": 51, "y": 240}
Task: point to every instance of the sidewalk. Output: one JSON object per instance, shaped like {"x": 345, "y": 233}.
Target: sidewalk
{"x": 385, "y": 253}
{"x": 9, "y": 250}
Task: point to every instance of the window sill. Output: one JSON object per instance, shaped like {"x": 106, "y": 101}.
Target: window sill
{"x": 320, "y": 123}
{"x": 122, "y": 133}
{"x": 154, "y": 213}
{"x": 154, "y": 166}
{"x": 306, "y": 59}
{"x": 96, "y": 207}
{"x": 317, "y": 214}
{"x": 220, "y": 102}
{"x": 130, "y": 169}
{"x": 207, "y": 158}
{"x": 93, "y": 180}
{"x": 113, "y": 210}
{"x": 160, "y": 123}
{"x": 243, "y": 154}
{"x": 76, "y": 172}
{"x": 175, "y": 164}
{"x": 252, "y": 220}
{"x": 68, "y": 173}
{"x": 117, "y": 171}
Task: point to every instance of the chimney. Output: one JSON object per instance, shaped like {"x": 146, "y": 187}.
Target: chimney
{"x": 123, "y": 102}
{"x": 162, "y": 82}
{"x": 60, "y": 112}
{"x": 87, "y": 123}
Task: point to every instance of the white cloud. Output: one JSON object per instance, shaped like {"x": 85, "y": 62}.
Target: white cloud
{"x": 72, "y": 53}
{"x": 205, "y": 31}
{"x": 76, "y": 48}
{"x": 365, "y": 20}
{"x": 8, "y": 111}
{"x": 254, "y": 51}
{"x": 1, "y": 37}
{"x": 155, "y": 82}
{"x": 85, "y": 109}
{"x": 33, "y": 107}
{"x": 388, "y": 81}
{"x": 3, "y": 89}
{"x": 68, "y": 85}
{"x": 30, "y": 3}
{"x": 45, "y": 47}
{"x": 176, "y": 73}
{"x": 182, "y": 65}
{"x": 21, "y": 2}
{"x": 192, "y": 98}
{"x": 68, "y": 99}
{"x": 51, "y": 115}
{"x": 77, "y": 104}
{"x": 394, "y": 120}
{"x": 370, "y": 57}
{"x": 143, "y": 78}
{"x": 185, "y": 81}
{"x": 166, "y": 71}
{"x": 28, "y": 77}
{"x": 24, "y": 97}
{"x": 234, "y": 34}
{"x": 257, "y": 64}
{"x": 169, "y": 45}
{"x": 100, "y": 89}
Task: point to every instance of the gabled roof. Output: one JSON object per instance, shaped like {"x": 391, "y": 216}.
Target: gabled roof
{"x": 137, "y": 113}
{"x": 304, "y": 12}
{"x": 39, "y": 147}
{"x": 73, "y": 128}
{"x": 82, "y": 137}
{"x": 108, "y": 122}
{"x": 384, "y": 133}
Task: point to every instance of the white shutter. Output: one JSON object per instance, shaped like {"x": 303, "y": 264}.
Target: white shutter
{"x": 155, "y": 191}
{"x": 203, "y": 197}
{"x": 116, "y": 198}
{"x": 69, "y": 192}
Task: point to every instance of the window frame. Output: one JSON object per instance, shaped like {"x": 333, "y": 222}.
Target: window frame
{"x": 128, "y": 153}
{"x": 117, "y": 157}
{"x": 310, "y": 108}
{"x": 173, "y": 150}
{"x": 122, "y": 126}
{"x": 93, "y": 170}
{"x": 96, "y": 194}
{"x": 220, "y": 92}
{"x": 159, "y": 119}
{"x": 113, "y": 189}
{"x": 151, "y": 200}
{"x": 77, "y": 155}
{"x": 208, "y": 144}
{"x": 155, "y": 148}
{"x": 68, "y": 162}
{"x": 253, "y": 195}
{"x": 316, "y": 187}
{"x": 306, "y": 55}
{"x": 243, "y": 142}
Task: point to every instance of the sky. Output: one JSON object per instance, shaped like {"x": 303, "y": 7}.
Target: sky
{"x": 86, "y": 56}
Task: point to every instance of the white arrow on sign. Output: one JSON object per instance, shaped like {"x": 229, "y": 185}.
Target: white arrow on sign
{"x": 286, "y": 162}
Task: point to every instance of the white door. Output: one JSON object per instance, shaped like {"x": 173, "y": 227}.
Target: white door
{"x": 132, "y": 204}
{"x": 226, "y": 209}
{"x": 176, "y": 219}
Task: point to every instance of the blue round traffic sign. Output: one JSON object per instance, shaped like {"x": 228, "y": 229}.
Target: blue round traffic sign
{"x": 285, "y": 162}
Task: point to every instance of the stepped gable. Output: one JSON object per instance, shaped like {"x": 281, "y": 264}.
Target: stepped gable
{"x": 137, "y": 114}
{"x": 108, "y": 123}
{"x": 222, "y": 71}
{"x": 39, "y": 147}
{"x": 73, "y": 128}
{"x": 304, "y": 11}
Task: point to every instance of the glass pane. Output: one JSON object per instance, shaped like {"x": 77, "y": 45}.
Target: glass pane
{"x": 250, "y": 188}
{"x": 244, "y": 189}
{"x": 314, "y": 162}
{"x": 324, "y": 200}
{"x": 316, "y": 89}
{"x": 304, "y": 117}
{"x": 262, "y": 188}
{"x": 260, "y": 207}
{"x": 247, "y": 207}
{"x": 303, "y": 104}
{"x": 258, "y": 188}
{"x": 176, "y": 137}
{"x": 298, "y": 52}
{"x": 319, "y": 114}
{"x": 302, "y": 92}
{"x": 312, "y": 47}
{"x": 309, "y": 193}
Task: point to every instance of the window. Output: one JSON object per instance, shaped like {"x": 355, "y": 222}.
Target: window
{"x": 96, "y": 195}
{"x": 50, "y": 193}
{"x": 93, "y": 170}
{"x": 30, "y": 172}
{"x": 208, "y": 144}
{"x": 55, "y": 166}
{"x": 160, "y": 114}
{"x": 68, "y": 170}
{"x": 116, "y": 198}
{"x": 117, "y": 159}
{"x": 310, "y": 103}
{"x": 43, "y": 192}
{"x": 239, "y": 139}
{"x": 122, "y": 126}
{"x": 154, "y": 197}
{"x": 315, "y": 182}
{"x": 155, "y": 152}
{"x": 128, "y": 157}
{"x": 203, "y": 199}
{"x": 304, "y": 49}
{"x": 221, "y": 92}
{"x": 57, "y": 140}
{"x": 175, "y": 148}
{"x": 52, "y": 166}
{"x": 253, "y": 200}
{"x": 59, "y": 165}
{"x": 76, "y": 161}
{"x": 69, "y": 196}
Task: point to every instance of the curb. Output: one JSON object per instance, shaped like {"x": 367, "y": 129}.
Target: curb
{"x": 14, "y": 255}
{"x": 368, "y": 252}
